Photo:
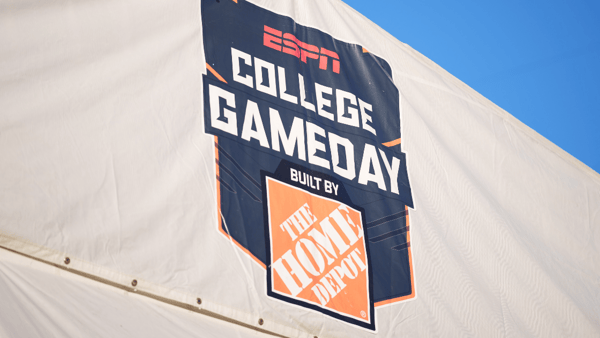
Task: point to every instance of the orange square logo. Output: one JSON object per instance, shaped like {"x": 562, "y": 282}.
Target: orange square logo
{"x": 317, "y": 254}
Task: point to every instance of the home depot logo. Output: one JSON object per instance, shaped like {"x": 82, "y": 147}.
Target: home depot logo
{"x": 289, "y": 44}
{"x": 318, "y": 254}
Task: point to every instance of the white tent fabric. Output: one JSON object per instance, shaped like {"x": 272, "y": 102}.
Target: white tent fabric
{"x": 104, "y": 159}
{"x": 39, "y": 300}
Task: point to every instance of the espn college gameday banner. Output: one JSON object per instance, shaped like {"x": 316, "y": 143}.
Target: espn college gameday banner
{"x": 312, "y": 181}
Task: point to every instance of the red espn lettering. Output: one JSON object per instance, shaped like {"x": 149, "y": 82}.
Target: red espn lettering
{"x": 304, "y": 51}
{"x": 272, "y": 41}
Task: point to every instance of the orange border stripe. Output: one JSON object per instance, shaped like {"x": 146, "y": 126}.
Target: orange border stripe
{"x": 412, "y": 274}
{"x": 365, "y": 50}
{"x": 217, "y": 75}
{"x": 393, "y": 143}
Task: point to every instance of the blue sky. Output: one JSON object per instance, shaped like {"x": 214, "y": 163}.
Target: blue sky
{"x": 538, "y": 60}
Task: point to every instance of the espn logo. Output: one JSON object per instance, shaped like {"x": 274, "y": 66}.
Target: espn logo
{"x": 289, "y": 44}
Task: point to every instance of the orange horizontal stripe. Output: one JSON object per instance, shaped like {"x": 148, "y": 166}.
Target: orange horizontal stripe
{"x": 393, "y": 143}
{"x": 217, "y": 75}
